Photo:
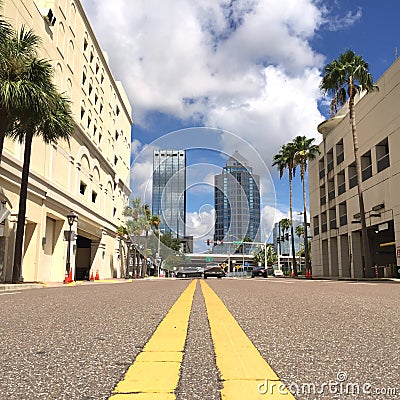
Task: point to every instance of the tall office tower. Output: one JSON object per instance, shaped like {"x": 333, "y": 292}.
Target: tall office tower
{"x": 169, "y": 190}
{"x": 237, "y": 202}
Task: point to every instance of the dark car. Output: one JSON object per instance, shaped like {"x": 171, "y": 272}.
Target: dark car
{"x": 189, "y": 272}
{"x": 259, "y": 271}
{"x": 213, "y": 270}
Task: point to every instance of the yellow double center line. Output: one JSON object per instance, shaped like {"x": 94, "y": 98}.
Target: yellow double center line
{"x": 244, "y": 373}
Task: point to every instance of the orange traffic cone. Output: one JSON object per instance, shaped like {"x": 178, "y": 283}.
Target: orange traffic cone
{"x": 91, "y": 276}
{"x": 97, "y": 276}
{"x": 68, "y": 277}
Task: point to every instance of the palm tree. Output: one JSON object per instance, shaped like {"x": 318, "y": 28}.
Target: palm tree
{"x": 306, "y": 151}
{"x": 24, "y": 79}
{"x": 344, "y": 78}
{"x": 285, "y": 160}
{"x": 51, "y": 126}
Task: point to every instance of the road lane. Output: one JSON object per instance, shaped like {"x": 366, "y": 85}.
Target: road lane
{"x": 242, "y": 369}
{"x": 155, "y": 372}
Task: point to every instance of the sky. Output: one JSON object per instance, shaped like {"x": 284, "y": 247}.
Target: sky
{"x": 215, "y": 76}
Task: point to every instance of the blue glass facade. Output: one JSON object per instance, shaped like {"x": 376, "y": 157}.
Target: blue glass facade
{"x": 169, "y": 190}
{"x": 237, "y": 202}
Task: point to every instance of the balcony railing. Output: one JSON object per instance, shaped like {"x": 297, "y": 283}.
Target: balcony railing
{"x": 383, "y": 162}
{"x": 340, "y": 158}
{"x": 367, "y": 173}
{"x": 343, "y": 220}
{"x": 353, "y": 181}
{"x": 342, "y": 188}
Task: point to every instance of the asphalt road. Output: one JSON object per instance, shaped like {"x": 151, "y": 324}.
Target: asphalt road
{"x": 78, "y": 342}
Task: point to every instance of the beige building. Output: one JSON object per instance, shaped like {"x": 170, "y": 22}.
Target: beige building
{"x": 335, "y": 220}
{"x": 90, "y": 175}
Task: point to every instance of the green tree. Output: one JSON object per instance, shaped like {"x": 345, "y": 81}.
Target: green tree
{"x": 343, "y": 78}
{"x": 272, "y": 257}
{"x": 50, "y": 125}
{"x": 305, "y": 151}
{"x": 25, "y": 80}
{"x": 285, "y": 160}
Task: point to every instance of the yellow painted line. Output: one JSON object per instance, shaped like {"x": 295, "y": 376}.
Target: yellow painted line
{"x": 155, "y": 373}
{"x": 243, "y": 371}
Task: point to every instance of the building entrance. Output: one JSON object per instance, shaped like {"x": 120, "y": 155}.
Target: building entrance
{"x": 83, "y": 258}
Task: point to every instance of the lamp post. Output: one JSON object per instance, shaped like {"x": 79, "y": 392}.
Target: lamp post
{"x": 158, "y": 252}
{"x": 71, "y": 217}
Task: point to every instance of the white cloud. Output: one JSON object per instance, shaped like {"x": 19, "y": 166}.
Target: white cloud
{"x": 200, "y": 225}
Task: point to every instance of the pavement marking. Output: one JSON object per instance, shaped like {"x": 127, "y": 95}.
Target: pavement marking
{"x": 154, "y": 375}
{"x": 243, "y": 371}
{"x": 8, "y": 293}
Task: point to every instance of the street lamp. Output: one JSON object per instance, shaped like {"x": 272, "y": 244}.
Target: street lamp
{"x": 71, "y": 217}
{"x": 158, "y": 251}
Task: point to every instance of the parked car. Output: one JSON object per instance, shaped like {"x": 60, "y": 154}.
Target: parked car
{"x": 259, "y": 271}
{"x": 189, "y": 272}
{"x": 213, "y": 270}
{"x": 278, "y": 273}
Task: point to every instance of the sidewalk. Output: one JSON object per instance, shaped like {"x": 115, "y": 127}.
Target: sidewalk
{"x": 39, "y": 285}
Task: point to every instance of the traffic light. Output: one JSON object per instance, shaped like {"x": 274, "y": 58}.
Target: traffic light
{"x": 278, "y": 240}
{"x": 286, "y": 236}
{"x": 208, "y": 242}
{"x": 282, "y": 238}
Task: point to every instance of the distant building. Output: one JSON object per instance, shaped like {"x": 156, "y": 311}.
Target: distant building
{"x": 169, "y": 191}
{"x": 335, "y": 220}
{"x": 285, "y": 247}
{"x": 237, "y": 202}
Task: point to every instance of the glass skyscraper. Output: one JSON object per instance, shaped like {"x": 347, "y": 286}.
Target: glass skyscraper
{"x": 169, "y": 190}
{"x": 237, "y": 202}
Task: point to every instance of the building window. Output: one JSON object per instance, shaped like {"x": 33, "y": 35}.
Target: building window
{"x": 316, "y": 225}
{"x": 83, "y": 76}
{"x": 321, "y": 168}
{"x": 91, "y": 56}
{"x": 352, "y": 175}
{"x": 85, "y": 44}
{"x": 114, "y": 211}
{"x": 117, "y": 110}
{"x": 332, "y": 218}
{"x": 96, "y": 98}
{"x": 329, "y": 160}
{"x": 322, "y": 195}
{"x": 97, "y": 68}
{"x": 82, "y": 188}
{"x": 331, "y": 189}
{"x": 94, "y": 196}
{"x": 115, "y": 160}
{"x": 341, "y": 183}
{"x": 89, "y": 121}
{"x": 116, "y": 135}
{"x": 324, "y": 225}
{"x": 366, "y": 166}
{"x": 82, "y": 112}
{"x": 339, "y": 153}
{"x": 382, "y": 155}
{"x": 342, "y": 214}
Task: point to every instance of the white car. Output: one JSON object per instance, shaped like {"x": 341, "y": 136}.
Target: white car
{"x": 278, "y": 273}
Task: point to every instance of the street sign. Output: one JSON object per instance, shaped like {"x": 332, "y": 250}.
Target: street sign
{"x": 246, "y": 264}
{"x": 208, "y": 259}
{"x": 237, "y": 243}
{"x": 187, "y": 258}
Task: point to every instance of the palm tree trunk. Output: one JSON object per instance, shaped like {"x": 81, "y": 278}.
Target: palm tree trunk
{"x": 144, "y": 269}
{"x": 3, "y": 127}
{"x": 306, "y": 255}
{"x": 19, "y": 236}
{"x": 364, "y": 232}
{"x": 291, "y": 222}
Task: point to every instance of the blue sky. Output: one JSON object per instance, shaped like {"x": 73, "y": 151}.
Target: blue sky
{"x": 247, "y": 67}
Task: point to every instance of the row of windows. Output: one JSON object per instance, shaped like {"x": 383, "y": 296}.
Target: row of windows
{"x": 382, "y": 162}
